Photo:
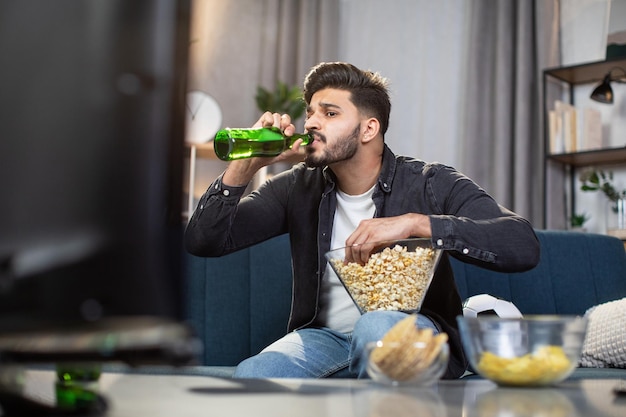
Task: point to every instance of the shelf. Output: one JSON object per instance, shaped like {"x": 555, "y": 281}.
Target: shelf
{"x": 205, "y": 151}
{"x": 608, "y": 156}
{"x": 586, "y": 73}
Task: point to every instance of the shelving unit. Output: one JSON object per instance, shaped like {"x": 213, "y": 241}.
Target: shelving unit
{"x": 571, "y": 77}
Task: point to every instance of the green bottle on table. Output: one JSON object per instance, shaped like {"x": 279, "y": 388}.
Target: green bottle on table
{"x": 240, "y": 143}
{"x": 77, "y": 385}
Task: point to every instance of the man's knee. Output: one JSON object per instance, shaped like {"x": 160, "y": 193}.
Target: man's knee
{"x": 263, "y": 365}
{"x": 374, "y": 324}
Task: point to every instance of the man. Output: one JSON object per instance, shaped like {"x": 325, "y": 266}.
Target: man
{"x": 352, "y": 190}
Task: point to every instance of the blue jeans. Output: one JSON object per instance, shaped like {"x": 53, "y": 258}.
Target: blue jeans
{"x": 321, "y": 352}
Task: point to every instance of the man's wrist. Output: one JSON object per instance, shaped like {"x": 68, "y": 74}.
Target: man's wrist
{"x": 239, "y": 173}
{"x": 422, "y": 226}
{"x": 219, "y": 187}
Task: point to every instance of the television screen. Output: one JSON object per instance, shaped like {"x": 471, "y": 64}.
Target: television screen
{"x": 92, "y": 97}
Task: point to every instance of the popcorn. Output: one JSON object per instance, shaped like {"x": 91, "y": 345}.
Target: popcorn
{"x": 394, "y": 279}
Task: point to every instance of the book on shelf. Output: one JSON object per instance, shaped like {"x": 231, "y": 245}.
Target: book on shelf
{"x": 591, "y": 129}
{"x": 557, "y": 145}
{"x": 573, "y": 129}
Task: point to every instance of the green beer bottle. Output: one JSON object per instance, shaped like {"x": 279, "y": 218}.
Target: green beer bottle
{"x": 231, "y": 144}
{"x": 77, "y": 385}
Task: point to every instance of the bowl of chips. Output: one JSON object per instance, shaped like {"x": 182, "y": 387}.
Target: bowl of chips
{"x": 390, "y": 275}
{"x": 408, "y": 355}
{"x": 532, "y": 351}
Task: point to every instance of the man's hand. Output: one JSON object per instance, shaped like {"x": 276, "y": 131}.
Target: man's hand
{"x": 360, "y": 243}
{"x": 240, "y": 172}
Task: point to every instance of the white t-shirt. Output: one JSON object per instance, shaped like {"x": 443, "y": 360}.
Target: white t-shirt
{"x": 338, "y": 311}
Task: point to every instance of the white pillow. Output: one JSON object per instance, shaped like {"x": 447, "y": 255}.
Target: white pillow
{"x": 605, "y": 341}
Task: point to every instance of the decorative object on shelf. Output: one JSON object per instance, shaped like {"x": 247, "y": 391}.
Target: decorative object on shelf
{"x": 598, "y": 180}
{"x": 283, "y": 99}
{"x": 616, "y": 37}
{"x": 618, "y": 226}
{"x": 203, "y": 120}
{"x": 603, "y": 93}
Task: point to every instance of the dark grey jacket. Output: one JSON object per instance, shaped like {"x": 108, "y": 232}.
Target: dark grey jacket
{"x": 465, "y": 221}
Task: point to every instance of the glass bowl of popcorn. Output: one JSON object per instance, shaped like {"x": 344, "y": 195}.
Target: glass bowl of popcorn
{"x": 532, "y": 351}
{"x": 389, "y": 275}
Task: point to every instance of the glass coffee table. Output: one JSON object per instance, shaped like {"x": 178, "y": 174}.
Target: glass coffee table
{"x": 176, "y": 393}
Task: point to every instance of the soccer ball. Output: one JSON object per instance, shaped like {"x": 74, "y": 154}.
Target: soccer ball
{"x": 488, "y": 304}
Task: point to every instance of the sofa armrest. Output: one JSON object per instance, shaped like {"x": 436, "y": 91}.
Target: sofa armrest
{"x": 239, "y": 303}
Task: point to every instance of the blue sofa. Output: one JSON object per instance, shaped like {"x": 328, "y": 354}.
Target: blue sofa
{"x": 239, "y": 303}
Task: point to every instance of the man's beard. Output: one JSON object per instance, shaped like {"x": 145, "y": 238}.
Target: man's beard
{"x": 343, "y": 149}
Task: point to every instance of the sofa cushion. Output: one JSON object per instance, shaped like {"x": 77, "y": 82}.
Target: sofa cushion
{"x": 605, "y": 341}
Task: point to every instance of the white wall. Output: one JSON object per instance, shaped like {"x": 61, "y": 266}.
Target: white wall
{"x": 417, "y": 45}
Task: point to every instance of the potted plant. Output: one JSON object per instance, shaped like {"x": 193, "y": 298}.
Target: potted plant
{"x": 577, "y": 221}
{"x": 598, "y": 180}
{"x": 283, "y": 99}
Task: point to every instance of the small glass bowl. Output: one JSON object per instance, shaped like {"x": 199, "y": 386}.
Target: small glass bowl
{"x": 403, "y": 364}
{"x": 532, "y": 351}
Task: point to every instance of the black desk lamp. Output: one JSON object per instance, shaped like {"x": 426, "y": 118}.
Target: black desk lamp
{"x": 604, "y": 93}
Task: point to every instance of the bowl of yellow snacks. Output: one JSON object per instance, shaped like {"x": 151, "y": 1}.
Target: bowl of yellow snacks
{"x": 532, "y": 351}
{"x": 408, "y": 355}
{"x": 391, "y": 275}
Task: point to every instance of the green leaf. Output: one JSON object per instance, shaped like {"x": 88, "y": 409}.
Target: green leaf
{"x": 598, "y": 180}
{"x": 262, "y": 98}
{"x": 283, "y": 99}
